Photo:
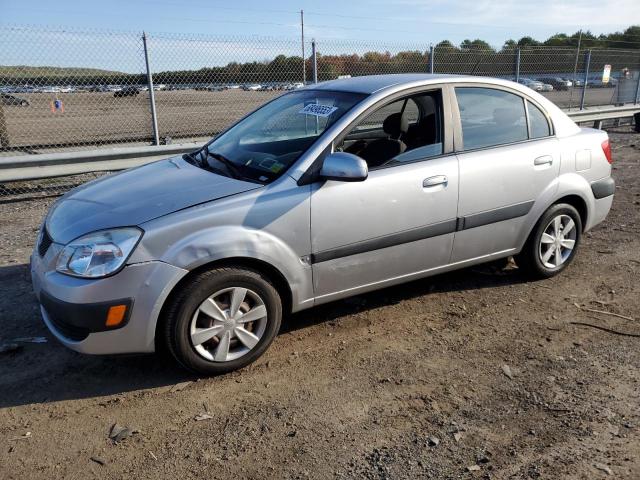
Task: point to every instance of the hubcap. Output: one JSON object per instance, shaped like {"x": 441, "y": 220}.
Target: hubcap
{"x": 557, "y": 241}
{"x": 228, "y": 324}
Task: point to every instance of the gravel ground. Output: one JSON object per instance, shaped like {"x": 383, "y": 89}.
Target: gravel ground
{"x": 475, "y": 374}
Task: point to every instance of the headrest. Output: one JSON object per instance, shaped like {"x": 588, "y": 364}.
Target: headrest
{"x": 395, "y": 125}
{"x": 506, "y": 116}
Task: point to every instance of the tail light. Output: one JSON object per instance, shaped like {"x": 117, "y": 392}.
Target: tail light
{"x": 606, "y": 148}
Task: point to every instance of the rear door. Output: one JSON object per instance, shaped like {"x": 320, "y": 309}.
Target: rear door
{"x": 509, "y": 157}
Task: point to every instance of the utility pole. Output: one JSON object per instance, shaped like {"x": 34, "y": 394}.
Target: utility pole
{"x": 304, "y": 64}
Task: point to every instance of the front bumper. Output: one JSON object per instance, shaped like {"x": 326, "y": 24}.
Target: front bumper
{"x": 66, "y": 300}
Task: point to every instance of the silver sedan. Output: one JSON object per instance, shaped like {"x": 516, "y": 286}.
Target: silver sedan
{"x": 326, "y": 192}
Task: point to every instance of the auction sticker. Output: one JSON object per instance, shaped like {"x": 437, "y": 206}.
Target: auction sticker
{"x": 318, "y": 110}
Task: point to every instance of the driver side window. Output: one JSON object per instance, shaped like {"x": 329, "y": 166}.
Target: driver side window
{"x": 406, "y": 130}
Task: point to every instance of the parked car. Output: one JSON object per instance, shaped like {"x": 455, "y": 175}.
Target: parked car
{"x": 547, "y": 87}
{"x": 576, "y": 82}
{"x": 130, "y": 91}
{"x": 532, "y": 84}
{"x": 325, "y": 192}
{"x": 595, "y": 81}
{"x": 556, "y": 82}
{"x": 7, "y": 99}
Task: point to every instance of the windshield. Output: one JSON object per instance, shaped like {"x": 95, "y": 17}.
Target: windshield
{"x": 265, "y": 144}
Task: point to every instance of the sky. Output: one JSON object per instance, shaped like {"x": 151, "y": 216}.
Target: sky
{"x": 372, "y": 23}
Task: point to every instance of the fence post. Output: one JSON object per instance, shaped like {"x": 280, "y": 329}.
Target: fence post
{"x": 431, "y": 58}
{"x": 517, "y": 64}
{"x": 587, "y": 62}
{"x": 4, "y": 135}
{"x": 152, "y": 97}
{"x": 315, "y": 60}
{"x": 637, "y": 90}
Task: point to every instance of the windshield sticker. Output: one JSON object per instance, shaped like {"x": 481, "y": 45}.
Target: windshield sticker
{"x": 276, "y": 167}
{"x": 318, "y": 110}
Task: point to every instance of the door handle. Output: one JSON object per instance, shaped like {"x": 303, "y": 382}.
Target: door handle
{"x": 435, "y": 181}
{"x": 544, "y": 160}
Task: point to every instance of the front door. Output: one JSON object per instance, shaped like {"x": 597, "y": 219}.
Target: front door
{"x": 401, "y": 220}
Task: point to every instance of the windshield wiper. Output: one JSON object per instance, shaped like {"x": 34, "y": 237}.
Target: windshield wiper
{"x": 199, "y": 160}
{"x": 231, "y": 167}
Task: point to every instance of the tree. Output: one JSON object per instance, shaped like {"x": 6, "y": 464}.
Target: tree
{"x": 528, "y": 42}
{"x": 477, "y": 45}
{"x": 445, "y": 46}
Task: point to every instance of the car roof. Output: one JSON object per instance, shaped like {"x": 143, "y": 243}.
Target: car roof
{"x": 373, "y": 83}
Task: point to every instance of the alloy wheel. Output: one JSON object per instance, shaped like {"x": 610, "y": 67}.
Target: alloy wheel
{"x": 557, "y": 241}
{"x": 228, "y": 324}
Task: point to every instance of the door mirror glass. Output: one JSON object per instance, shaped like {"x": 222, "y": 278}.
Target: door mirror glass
{"x": 344, "y": 167}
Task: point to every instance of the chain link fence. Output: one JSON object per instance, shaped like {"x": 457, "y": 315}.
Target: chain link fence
{"x": 69, "y": 90}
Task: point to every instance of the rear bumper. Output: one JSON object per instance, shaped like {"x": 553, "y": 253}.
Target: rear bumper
{"x": 604, "y": 187}
{"x": 74, "y": 309}
{"x": 603, "y": 191}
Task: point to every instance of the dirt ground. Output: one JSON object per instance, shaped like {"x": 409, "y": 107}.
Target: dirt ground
{"x": 101, "y": 118}
{"x": 475, "y": 374}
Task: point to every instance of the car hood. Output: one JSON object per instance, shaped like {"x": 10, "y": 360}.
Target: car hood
{"x": 136, "y": 196}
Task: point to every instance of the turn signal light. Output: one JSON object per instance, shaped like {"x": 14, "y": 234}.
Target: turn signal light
{"x": 115, "y": 316}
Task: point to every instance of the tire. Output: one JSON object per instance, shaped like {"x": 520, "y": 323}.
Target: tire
{"x": 535, "y": 259}
{"x": 186, "y": 323}
{"x": 23, "y": 103}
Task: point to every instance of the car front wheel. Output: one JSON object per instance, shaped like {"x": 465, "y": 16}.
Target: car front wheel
{"x": 222, "y": 320}
{"x": 553, "y": 242}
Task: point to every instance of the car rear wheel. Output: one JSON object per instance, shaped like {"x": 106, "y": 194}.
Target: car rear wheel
{"x": 24, "y": 103}
{"x": 553, "y": 242}
{"x": 222, "y": 320}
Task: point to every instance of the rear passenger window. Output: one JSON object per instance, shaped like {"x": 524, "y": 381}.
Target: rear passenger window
{"x": 490, "y": 117}
{"x": 538, "y": 123}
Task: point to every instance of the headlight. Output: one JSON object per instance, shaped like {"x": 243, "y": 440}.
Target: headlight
{"x": 98, "y": 254}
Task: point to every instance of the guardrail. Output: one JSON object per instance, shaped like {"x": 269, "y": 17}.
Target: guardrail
{"x": 598, "y": 115}
{"x": 50, "y": 165}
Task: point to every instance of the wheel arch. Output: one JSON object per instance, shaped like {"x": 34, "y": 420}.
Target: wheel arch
{"x": 577, "y": 202}
{"x": 270, "y": 271}
{"x": 572, "y": 198}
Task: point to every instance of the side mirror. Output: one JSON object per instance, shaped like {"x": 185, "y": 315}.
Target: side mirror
{"x": 344, "y": 167}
